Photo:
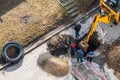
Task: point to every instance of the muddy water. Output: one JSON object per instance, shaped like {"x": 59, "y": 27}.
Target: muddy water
{"x": 13, "y": 52}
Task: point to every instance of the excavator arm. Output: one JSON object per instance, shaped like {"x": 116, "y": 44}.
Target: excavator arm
{"x": 97, "y": 19}
{"x": 111, "y": 15}
{"x": 114, "y": 15}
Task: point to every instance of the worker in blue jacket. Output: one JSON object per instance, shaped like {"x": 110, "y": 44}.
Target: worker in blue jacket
{"x": 80, "y": 55}
{"x": 90, "y": 55}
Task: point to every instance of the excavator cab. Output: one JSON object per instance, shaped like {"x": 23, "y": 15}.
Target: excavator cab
{"x": 114, "y": 4}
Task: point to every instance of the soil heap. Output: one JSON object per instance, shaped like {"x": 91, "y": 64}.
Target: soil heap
{"x": 113, "y": 56}
{"x": 59, "y": 44}
{"x": 54, "y": 65}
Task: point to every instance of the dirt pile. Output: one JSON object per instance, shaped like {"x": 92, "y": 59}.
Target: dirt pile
{"x": 111, "y": 53}
{"x": 54, "y": 65}
{"x": 113, "y": 56}
{"x": 59, "y": 44}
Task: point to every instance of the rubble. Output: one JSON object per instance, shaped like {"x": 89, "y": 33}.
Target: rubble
{"x": 59, "y": 44}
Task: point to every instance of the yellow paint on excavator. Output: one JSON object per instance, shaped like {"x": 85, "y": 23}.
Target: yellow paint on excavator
{"x": 110, "y": 15}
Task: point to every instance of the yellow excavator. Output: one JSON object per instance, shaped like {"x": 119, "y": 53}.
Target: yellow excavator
{"x": 110, "y": 14}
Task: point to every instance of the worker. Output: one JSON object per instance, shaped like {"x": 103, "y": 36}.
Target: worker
{"x": 80, "y": 55}
{"x": 77, "y": 29}
{"x": 73, "y": 49}
{"x": 90, "y": 55}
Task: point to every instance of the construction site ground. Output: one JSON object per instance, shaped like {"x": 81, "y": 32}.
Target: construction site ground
{"x": 28, "y": 68}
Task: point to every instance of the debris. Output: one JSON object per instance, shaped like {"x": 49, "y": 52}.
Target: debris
{"x": 58, "y": 44}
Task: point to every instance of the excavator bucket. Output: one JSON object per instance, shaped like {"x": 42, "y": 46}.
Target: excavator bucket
{"x": 83, "y": 45}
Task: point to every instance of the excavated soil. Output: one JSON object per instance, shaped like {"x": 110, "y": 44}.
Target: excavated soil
{"x": 111, "y": 53}
{"x": 53, "y": 65}
{"x": 113, "y": 56}
{"x": 59, "y": 44}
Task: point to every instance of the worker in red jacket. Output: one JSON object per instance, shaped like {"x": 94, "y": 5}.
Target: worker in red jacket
{"x": 73, "y": 49}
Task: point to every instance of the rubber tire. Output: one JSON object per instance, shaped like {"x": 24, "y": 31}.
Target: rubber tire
{"x": 6, "y": 57}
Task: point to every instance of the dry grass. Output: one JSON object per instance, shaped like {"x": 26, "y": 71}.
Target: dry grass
{"x": 57, "y": 66}
{"x": 53, "y": 65}
{"x": 118, "y": 75}
{"x": 29, "y": 20}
